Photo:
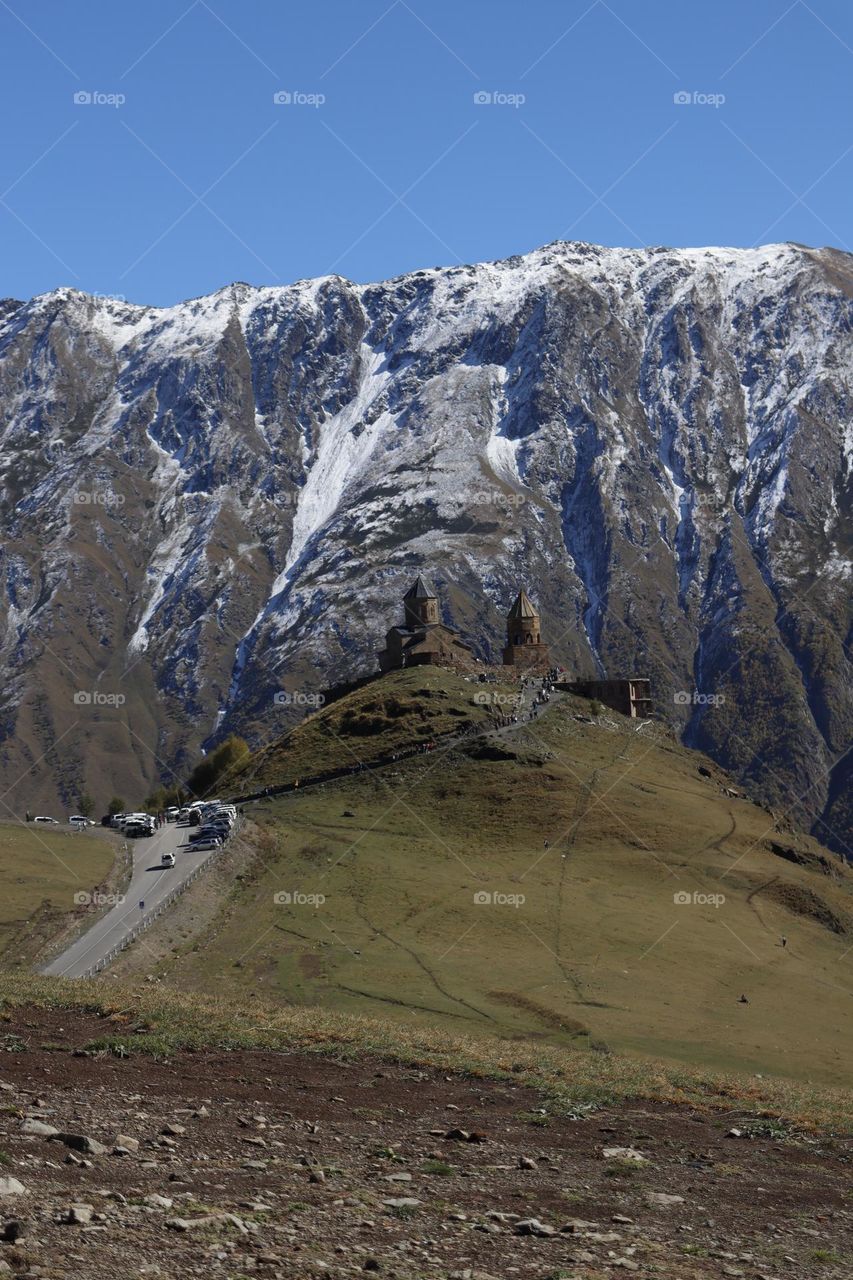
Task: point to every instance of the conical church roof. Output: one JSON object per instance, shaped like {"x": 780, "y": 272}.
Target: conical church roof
{"x": 522, "y": 608}
{"x": 420, "y": 590}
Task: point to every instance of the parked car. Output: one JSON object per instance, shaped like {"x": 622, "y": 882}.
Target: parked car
{"x": 139, "y": 827}
{"x": 41, "y": 818}
{"x": 168, "y": 860}
{"x": 209, "y": 842}
{"x": 77, "y": 820}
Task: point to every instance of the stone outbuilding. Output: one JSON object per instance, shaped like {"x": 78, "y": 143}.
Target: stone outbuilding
{"x": 631, "y": 697}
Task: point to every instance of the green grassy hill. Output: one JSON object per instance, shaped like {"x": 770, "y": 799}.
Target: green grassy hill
{"x": 41, "y": 869}
{"x": 581, "y": 881}
{"x": 387, "y": 715}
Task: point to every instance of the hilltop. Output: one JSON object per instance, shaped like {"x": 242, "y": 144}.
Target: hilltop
{"x": 526, "y": 883}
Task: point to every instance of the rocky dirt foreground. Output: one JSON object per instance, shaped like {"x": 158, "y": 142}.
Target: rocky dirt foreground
{"x": 297, "y": 1165}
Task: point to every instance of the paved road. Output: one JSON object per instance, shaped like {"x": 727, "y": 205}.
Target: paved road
{"x": 150, "y": 883}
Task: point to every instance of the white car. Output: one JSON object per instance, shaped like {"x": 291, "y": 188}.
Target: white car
{"x": 77, "y": 820}
{"x": 210, "y": 843}
{"x": 42, "y": 819}
{"x": 168, "y": 860}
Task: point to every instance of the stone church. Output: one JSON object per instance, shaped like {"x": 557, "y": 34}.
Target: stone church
{"x": 423, "y": 639}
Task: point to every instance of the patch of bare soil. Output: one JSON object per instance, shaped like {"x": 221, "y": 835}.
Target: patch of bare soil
{"x": 804, "y": 902}
{"x": 296, "y": 1165}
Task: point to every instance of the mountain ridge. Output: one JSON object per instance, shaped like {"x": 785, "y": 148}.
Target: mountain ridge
{"x": 655, "y": 441}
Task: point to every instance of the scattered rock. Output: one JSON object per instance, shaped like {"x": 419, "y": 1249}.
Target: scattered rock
{"x": 526, "y": 1162}
{"x": 124, "y": 1144}
{"x": 663, "y": 1198}
{"x": 39, "y": 1129}
{"x": 624, "y": 1153}
{"x": 11, "y": 1187}
{"x": 217, "y": 1221}
{"x": 533, "y": 1227}
{"x": 81, "y": 1142}
{"x": 458, "y": 1135}
{"x": 79, "y": 1214}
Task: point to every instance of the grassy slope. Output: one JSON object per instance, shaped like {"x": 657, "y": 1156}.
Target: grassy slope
{"x": 149, "y": 1019}
{"x": 40, "y": 871}
{"x": 386, "y": 716}
{"x": 598, "y": 955}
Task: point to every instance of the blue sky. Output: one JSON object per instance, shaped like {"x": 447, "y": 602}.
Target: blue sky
{"x": 182, "y": 172}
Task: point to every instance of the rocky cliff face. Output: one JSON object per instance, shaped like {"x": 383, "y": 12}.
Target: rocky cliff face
{"x": 206, "y": 504}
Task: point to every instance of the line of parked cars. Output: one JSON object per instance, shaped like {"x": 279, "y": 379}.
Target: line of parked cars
{"x": 134, "y": 824}
{"x": 76, "y": 820}
{"x": 213, "y": 822}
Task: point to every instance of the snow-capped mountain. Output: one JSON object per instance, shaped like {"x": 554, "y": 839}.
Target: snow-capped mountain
{"x": 208, "y": 503}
